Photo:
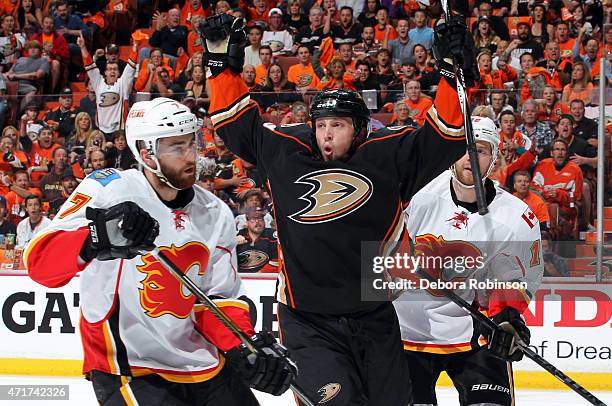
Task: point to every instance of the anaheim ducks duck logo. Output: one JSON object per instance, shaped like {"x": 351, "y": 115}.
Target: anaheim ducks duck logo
{"x": 108, "y": 99}
{"x": 333, "y": 193}
{"x": 328, "y": 392}
{"x": 252, "y": 259}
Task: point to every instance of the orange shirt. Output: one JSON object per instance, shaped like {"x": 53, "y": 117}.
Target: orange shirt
{"x": 567, "y": 48}
{"x": 41, "y": 157}
{"x": 143, "y": 76}
{"x": 194, "y": 43}
{"x": 379, "y": 35}
{"x": 565, "y": 181}
{"x": 537, "y": 206}
{"x": 187, "y": 12}
{"x": 303, "y": 76}
{"x": 558, "y": 109}
{"x": 14, "y": 201}
{"x": 419, "y": 109}
{"x": 260, "y": 74}
{"x": 570, "y": 94}
{"x": 6, "y": 7}
{"x": 7, "y": 168}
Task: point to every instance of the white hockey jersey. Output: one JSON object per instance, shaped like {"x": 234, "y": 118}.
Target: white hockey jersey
{"x": 110, "y": 98}
{"x": 507, "y": 240}
{"x": 136, "y": 318}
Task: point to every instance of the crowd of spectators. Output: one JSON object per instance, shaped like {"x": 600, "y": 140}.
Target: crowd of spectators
{"x": 539, "y": 74}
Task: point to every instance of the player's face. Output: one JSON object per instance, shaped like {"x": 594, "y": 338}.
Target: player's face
{"x": 463, "y": 168}
{"x": 334, "y": 137}
{"x": 177, "y": 157}
{"x": 521, "y": 184}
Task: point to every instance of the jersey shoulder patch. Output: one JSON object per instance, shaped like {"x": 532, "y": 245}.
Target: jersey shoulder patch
{"x": 105, "y": 176}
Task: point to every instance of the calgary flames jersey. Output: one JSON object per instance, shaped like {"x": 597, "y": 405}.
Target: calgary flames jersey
{"x": 324, "y": 210}
{"x": 504, "y": 246}
{"x": 136, "y": 318}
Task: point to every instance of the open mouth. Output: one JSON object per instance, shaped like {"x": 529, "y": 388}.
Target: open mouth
{"x": 327, "y": 151}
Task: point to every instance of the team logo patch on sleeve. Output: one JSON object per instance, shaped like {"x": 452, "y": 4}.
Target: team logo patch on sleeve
{"x": 529, "y": 218}
{"x": 333, "y": 193}
{"x": 105, "y": 176}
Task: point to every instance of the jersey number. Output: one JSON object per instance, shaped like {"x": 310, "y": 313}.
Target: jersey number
{"x": 78, "y": 200}
{"x": 535, "y": 254}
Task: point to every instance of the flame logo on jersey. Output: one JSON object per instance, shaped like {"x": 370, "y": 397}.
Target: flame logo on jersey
{"x": 328, "y": 392}
{"x": 437, "y": 253}
{"x": 333, "y": 193}
{"x": 162, "y": 293}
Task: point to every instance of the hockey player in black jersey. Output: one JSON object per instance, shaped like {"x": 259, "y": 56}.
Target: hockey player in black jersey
{"x": 334, "y": 186}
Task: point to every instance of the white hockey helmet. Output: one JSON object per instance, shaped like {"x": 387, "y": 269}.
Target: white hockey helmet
{"x": 148, "y": 121}
{"x": 484, "y": 130}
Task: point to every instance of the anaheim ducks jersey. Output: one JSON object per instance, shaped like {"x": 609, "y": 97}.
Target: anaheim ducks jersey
{"x": 325, "y": 210}
{"x": 110, "y": 98}
{"x": 504, "y": 246}
{"x": 136, "y": 318}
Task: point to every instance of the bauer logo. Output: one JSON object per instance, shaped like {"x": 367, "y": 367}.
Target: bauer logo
{"x": 334, "y": 193}
{"x": 161, "y": 293}
{"x": 328, "y": 392}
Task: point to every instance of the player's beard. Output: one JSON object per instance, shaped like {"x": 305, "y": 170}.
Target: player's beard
{"x": 181, "y": 178}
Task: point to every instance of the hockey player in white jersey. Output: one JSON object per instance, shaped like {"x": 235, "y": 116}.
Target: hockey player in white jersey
{"x": 145, "y": 339}
{"x": 112, "y": 89}
{"x": 504, "y": 246}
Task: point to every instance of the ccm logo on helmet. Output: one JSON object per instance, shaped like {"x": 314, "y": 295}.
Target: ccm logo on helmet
{"x": 333, "y": 193}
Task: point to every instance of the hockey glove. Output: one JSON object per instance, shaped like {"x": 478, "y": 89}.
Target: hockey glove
{"x": 503, "y": 344}
{"x": 121, "y": 231}
{"x": 453, "y": 42}
{"x": 270, "y": 370}
{"x": 223, "y": 40}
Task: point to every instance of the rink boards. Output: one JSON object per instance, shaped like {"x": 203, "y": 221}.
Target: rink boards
{"x": 570, "y": 322}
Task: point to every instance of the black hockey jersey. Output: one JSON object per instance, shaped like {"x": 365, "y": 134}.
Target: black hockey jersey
{"x": 325, "y": 210}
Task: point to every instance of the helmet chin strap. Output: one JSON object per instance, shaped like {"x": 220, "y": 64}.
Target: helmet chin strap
{"x": 158, "y": 172}
{"x": 484, "y": 178}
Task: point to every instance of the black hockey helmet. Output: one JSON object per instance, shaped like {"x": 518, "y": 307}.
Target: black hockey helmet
{"x": 341, "y": 103}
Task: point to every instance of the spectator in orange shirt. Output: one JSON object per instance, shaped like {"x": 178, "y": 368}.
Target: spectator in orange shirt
{"x": 551, "y": 108}
{"x": 191, "y": 9}
{"x": 19, "y": 189}
{"x": 566, "y": 44}
{"x": 333, "y": 77}
{"x": 41, "y": 154}
{"x": 194, "y": 40}
{"x": 147, "y": 75}
{"x": 261, "y": 70}
{"x": 580, "y": 86}
{"x": 559, "y": 69}
{"x": 302, "y": 73}
{"x": 419, "y": 105}
{"x": 55, "y": 48}
{"x": 11, "y": 159}
{"x": 346, "y": 53}
{"x": 258, "y": 13}
{"x": 559, "y": 180}
{"x": 532, "y": 80}
{"x": 384, "y": 31}
{"x": 522, "y": 181}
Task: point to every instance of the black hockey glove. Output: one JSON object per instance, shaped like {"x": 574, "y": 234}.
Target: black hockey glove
{"x": 121, "y": 231}
{"x": 503, "y": 344}
{"x": 270, "y": 370}
{"x": 453, "y": 41}
{"x": 223, "y": 40}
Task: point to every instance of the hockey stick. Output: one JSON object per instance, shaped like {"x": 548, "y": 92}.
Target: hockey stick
{"x": 223, "y": 318}
{"x": 481, "y": 318}
{"x": 467, "y": 123}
